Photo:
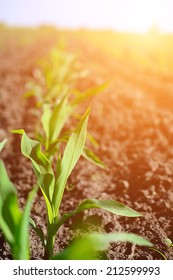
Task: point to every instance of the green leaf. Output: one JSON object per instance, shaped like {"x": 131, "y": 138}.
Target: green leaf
{"x": 71, "y": 156}
{"x": 111, "y": 206}
{"x": 58, "y": 118}
{"x": 33, "y": 89}
{"x": 89, "y": 93}
{"x": 169, "y": 242}
{"x": 23, "y": 232}
{"x": 38, "y": 231}
{"x": 90, "y": 156}
{"x": 13, "y": 222}
{"x": 42, "y": 168}
{"x": 86, "y": 247}
{"x": 104, "y": 240}
{"x": 7, "y": 200}
{"x": 92, "y": 140}
{"x": 18, "y": 131}
{"x": 53, "y": 121}
{"x": 45, "y": 120}
{"x": 58, "y": 166}
{"x": 79, "y": 249}
{"x": 2, "y": 144}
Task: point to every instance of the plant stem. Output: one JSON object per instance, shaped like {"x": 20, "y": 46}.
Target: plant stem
{"x": 158, "y": 251}
{"x": 49, "y": 244}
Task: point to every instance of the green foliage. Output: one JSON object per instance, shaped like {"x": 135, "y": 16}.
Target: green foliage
{"x": 56, "y": 75}
{"x": 55, "y": 91}
{"x": 58, "y": 100}
{"x": 169, "y": 242}
{"x": 80, "y": 97}
{"x": 53, "y": 121}
{"x": 70, "y": 157}
{"x": 13, "y": 222}
{"x": 54, "y": 118}
{"x": 111, "y": 206}
{"x": 42, "y": 169}
{"x": 53, "y": 184}
{"x": 90, "y": 156}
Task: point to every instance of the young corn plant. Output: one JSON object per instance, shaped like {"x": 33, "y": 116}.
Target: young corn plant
{"x": 53, "y": 184}
{"x": 55, "y": 76}
{"x": 54, "y": 90}
{"x": 14, "y": 223}
{"x": 54, "y": 118}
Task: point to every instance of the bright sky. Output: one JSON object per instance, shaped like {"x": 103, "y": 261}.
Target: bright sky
{"x": 123, "y": 15}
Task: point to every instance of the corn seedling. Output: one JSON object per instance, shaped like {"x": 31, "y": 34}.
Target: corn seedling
{"x": 55, "y": 76}
{"x": 14, "y": 225}
{"x": 53, "y": 184}
{"x": 54, "y": 118}
{"x": 58, "y": 99}
{"x": 13, "y": 222}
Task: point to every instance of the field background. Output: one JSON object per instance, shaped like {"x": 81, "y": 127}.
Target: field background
{"x": 132, "y": 121}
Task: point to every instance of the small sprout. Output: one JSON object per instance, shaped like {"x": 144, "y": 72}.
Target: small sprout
{"x": 70, "y": 187}
{"x": 169, "y": 242}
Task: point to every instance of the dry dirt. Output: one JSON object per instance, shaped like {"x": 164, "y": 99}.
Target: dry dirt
{"x": 133, "y": 122}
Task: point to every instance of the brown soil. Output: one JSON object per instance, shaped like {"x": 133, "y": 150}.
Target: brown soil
{"x": 133, "y": 122}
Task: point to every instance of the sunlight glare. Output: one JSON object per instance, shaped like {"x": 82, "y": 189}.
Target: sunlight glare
{"x": 141, "y": 15}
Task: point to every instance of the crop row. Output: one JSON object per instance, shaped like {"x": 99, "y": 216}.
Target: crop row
{"x": 54, "y": 153}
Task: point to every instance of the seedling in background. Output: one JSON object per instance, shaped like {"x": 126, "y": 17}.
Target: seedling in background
{"x": 53, "y": 184}
{"x": 169, "y": 242}
{"x": 58, "y": 99}
{"x": 13, "y": 222}
{"x": 56, "y": 75}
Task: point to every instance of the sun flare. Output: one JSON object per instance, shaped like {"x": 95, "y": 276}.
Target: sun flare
{"x": 142, "y": 15}
{"x": 136, "y": 16}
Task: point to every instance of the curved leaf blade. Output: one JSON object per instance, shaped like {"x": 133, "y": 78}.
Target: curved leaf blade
{"x": 13, "y": 222}
{"x": 7, "y": 195}
{"x": 90, "y": 156}
{"x": 2, "y": 144}
{"x": 38, "y": 231}
{"x": 22, "y": 251}
{"x": 81, "y": 97}
{"x": 86, "y": 247}
{"x": 111, "y": 206}
{"x": 45, "y": 121}
{"x": 71, "y": 156}
{"x": 42, "y": 168}
{"x": 58, "y": 118}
